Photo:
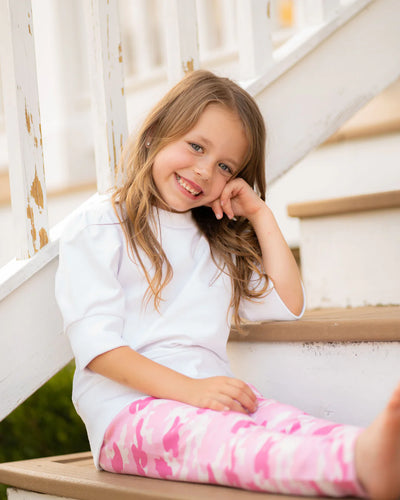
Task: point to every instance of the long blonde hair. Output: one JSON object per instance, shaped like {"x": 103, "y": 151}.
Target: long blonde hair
{"x": 233, "y": 243}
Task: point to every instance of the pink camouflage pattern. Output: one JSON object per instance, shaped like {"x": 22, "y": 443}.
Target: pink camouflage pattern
{"x": 277, "y": 449}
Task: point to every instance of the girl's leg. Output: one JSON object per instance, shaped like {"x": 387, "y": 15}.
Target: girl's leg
{"x": 279, "y": 417}
{"x": 378, "y": 453}
{"x": 167, "y": 439}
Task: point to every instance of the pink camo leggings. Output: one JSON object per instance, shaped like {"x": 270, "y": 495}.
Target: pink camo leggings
{"x": 277, "y": 449}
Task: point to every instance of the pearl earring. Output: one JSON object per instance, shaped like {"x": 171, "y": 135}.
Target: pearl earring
{"x": 148, "y": 144}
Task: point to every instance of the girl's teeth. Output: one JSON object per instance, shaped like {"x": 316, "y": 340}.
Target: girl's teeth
{"x": 186, "y": 186}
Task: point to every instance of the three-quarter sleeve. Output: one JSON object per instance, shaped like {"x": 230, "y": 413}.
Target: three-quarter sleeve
{"x": 88, "y": 292}
{"x": 268, "y": 308}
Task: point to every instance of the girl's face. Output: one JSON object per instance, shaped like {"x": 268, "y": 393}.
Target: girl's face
{"x": 193, "y": 170}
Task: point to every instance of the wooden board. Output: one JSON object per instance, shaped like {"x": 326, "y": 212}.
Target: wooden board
{"x": 360, "y": 324}
{"x": 346, "y": 205}
{"x": 74, "y": 476}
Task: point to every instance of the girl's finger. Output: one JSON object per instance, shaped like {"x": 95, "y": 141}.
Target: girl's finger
{"x": 217, "y": 209}
{"x": 227, "y": 206}
{"x": 236, "y": 406}
{"x": 244, "y": 397}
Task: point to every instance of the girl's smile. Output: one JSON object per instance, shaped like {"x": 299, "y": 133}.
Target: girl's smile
{"x": 188, "y": 187}
{"x": 193, "y": 170}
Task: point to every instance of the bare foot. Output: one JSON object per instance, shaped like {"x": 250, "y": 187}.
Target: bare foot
{"x": 377, "y": 453}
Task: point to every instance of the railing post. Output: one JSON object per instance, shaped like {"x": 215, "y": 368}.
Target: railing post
{"x": 207, "y": 26}
{"x": 181, "y": 38}
{"x": 254, "y": 34}
{"x": 107, "y": 82}
{"x": 21, "y": 102}
{"x": 228, "y": 26}
{"x": 137, "y": 24}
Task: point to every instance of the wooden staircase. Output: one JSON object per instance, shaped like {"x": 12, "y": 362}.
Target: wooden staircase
{"x": 350, "y": 249}
{"x": 73, "y": 477}
{"x": 336, "y": 363}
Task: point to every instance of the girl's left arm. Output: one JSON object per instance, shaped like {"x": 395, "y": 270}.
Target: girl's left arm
{"x": 239, "y": 199}
{"x": 278, "y": 260}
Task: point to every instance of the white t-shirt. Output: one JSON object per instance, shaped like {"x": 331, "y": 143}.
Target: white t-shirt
{"x": 100, "y": 292}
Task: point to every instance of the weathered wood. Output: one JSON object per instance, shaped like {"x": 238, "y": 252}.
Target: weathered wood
{"x": 345, "y": 205}
{"x": 181, "y": 38}
{"x": 27, "y": 180}
{"x": 360, "y": 324}
{"x": 33, "y": 346}
{"x": 74, "y": 476}
{"x": 106, "y": 71}
{"x": 254, "y": 37}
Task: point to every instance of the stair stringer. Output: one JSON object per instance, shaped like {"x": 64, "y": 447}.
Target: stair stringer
{"x": 32, "y": 336}
{"x": 328, "y": 79}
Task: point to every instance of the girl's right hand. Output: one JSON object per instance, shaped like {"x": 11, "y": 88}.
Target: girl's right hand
{"x": 222, "y": 394}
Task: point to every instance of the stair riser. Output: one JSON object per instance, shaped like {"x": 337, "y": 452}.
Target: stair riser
{"x": 351, "y": 260}
{"x": 344, "y": 382}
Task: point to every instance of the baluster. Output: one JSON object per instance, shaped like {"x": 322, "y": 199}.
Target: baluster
{"x": 25, "y": 148}
{"x": 181, "y": 37}
{"x": 207, "y": 28}
{"x": 138, "y": 21}
{"x": 254, "y": 34}
{"x": 310, "y": 12}
{"x": 106, "y": 71}
{"x": 228, "y": 25}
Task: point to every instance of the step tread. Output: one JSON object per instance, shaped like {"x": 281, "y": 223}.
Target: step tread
{"x": 75, "y": 476}
{"x": 348, "y": 204}
{"x": 360, "y": 324}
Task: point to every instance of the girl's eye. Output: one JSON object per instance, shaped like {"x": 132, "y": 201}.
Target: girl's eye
{"x": 225, "y": 168}
{"x": 196, "y": 147}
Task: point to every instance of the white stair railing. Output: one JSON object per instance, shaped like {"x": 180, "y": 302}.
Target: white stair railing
{"x": 254, "y": 36}
{"x": 26, "y": 284}
{"x": 107, "y": 82}
{"x": 181, "y": 38}
{"x": 27, "y": 182}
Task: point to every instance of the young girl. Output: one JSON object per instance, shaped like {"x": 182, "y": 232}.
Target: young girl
{"x": 149, "y": 282}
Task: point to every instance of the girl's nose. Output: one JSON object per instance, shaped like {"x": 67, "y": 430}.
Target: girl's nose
{"x": 204, "y": 170}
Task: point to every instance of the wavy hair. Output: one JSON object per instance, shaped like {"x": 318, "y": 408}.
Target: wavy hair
{"x": 233, "y": 243}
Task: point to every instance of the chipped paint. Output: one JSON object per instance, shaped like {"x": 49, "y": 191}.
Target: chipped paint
{"x": 188, "y": 66}
{"x": 37, "y": 191}
{"x": 40, "y": 135}
{"x": 113, "y": 145}
{"x": 120, "y": 53}
{"x": 27, "y": 120}
{"x": 30, "y": 216}
{"x": 269, "y": 10}
{"x": 29, "y": 29}
{"x": 108, "y": 38}
{"x": 122, "y": 91}
{"x": 43, "y": 238}
{"x": 36, "y": 142}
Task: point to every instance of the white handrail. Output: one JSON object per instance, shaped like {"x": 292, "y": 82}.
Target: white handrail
{"x": 26, "y": 165}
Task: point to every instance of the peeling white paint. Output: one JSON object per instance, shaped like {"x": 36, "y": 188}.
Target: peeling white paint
{"x": 107, "y": 82}
{"x": 27, "y": 179}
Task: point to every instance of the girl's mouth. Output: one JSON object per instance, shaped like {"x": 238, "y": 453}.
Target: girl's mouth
{"x": 188, "y": 186}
